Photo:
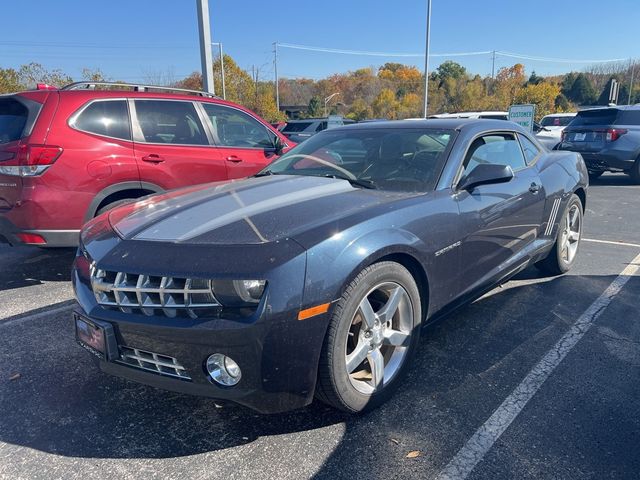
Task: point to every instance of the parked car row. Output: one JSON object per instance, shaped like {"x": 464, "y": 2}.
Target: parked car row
{"x": 68, "y": 155}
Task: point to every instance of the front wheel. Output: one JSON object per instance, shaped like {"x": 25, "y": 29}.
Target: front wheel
{"x": 565, "y": 249}
{"x": 373, "y": 333}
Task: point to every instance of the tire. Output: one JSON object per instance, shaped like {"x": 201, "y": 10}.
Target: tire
{"x": 557, "y": 261}
{"x": 111, "y": 205}
{"x": 359, "y": 328}
{"x": 635, "y": 172}
{"x": 595, "y": 175}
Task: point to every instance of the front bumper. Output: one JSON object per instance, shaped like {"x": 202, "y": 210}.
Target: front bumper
{"x": 278, "y": 354}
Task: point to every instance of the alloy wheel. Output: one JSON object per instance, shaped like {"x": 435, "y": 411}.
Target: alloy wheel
{"x": 570, "y": 236}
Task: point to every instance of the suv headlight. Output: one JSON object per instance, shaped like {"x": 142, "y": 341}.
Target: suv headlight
{"x": 238, "y": 293}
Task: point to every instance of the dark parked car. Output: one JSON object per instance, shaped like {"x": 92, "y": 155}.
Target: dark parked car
{"x": 300, "y": 130}
{"x": 67, "y": 155}
{"x": 607, "y": 138}
{"x": 315, "y": 276}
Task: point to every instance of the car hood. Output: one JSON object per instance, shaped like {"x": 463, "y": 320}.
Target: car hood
{"x": 249, "y": 211}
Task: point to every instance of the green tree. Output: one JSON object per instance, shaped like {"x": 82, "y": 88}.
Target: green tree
{"x": 582, "y": 91}
{"x": 534, "y": 79}
{"x": 450, "y": 69}
{"x": 315, "y": 107}
{"x": 9, "y": 81}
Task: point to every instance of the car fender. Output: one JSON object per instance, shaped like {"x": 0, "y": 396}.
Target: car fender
{"x": 331, "y": 269}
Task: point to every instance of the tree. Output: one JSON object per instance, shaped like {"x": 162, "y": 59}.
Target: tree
{"x": 34, "y": 73}
{"x": 360, "y": 110}
{"x": 508, "y": 81}
{"x": 582, "y": 91}
{"x": 534, "y": 79}
{"x": 450, "y": 69}
{"x": 9, "y": 81}
{"x": 543, "y": 95}
{"x": 315, "y": 107}
{"x": 385, "y": 105}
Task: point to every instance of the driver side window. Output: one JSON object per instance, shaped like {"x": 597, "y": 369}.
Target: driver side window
{"x": 234, "y": 128}
{"x": 498, "y": 149}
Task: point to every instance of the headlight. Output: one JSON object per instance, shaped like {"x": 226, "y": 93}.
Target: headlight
{"x": 238, "y": 293}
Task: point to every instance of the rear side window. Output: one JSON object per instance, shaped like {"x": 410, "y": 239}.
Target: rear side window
{"x": 628, "y": 117}
{"x": 601, "y": 116}
{"x": 105, "y": 117}
{"x": 13, "y": 119}
{"x": 498, "y": 149}
{"x": 556, "y": 121}
{"x": 296, "y": 126}
{"x": 166, "y": 121}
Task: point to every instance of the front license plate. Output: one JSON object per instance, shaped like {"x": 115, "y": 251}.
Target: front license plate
{"x": 579, "y": 137}
{"x": 90, "y": 336}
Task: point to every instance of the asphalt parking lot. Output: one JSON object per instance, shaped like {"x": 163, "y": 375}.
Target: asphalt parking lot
{"x": 61, "y": 418}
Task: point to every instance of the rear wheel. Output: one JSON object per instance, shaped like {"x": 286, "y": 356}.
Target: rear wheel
{"x": 635, "y": 172}
{"x": 373, "y": 333}
{"x": 565, "y": 249}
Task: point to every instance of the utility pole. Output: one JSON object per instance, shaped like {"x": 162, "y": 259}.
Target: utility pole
{"x": 224, "y": 91}
{"x": 204, "y": 27}
{"x": 633, "y": 68}
{"x": 426, "y": 60}
{"x": 275, "y": 69}
{"x": 493, "y": 66}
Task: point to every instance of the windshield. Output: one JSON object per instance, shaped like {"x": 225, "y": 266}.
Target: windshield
{"x": 556, "y": 121}
{"x": 399, "y": 159}
{"x": 600, "y": 116}
{"x": 296, "y": 126}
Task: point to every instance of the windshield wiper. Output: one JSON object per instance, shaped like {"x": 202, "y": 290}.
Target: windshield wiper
{"x": 356, "y": 182}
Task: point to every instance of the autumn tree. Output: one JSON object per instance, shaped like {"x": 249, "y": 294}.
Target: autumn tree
{"x": 385, "y": 105}
{"x": 543, "y": 95}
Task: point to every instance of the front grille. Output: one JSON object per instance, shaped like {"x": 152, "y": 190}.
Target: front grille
{"x": 153, "y": 295}
{"x": 152, "y": 362}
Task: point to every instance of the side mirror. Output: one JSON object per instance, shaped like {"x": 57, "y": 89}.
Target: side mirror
{"x": 484, "y": 174}
{"x": 278, "y": 145}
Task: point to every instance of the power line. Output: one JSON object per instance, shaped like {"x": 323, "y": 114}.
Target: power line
{"x": 453, "y": 54}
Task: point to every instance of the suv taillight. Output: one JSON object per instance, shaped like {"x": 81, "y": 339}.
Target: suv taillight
{"x": 612, "y": 134}
{"x": 31, "y": 160}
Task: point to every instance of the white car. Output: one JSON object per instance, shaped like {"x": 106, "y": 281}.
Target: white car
{"x": 553, "y": 125}
{"x": 487, "y": 115}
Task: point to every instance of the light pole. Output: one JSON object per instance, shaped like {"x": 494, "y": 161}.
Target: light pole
{"x": 327, "y": 99}
{"x": 224, "y": 92}
{"x": 204, "y": 28}
{"x": 275, "y": 69}
{"x": 426, "y": 60}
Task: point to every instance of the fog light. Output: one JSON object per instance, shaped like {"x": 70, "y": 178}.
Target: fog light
{"x": 223, "y": 370}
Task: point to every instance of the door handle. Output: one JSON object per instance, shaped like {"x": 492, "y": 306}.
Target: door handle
{"x": 534, "y": 187}
{"x": 153, "y": 158}
{"x": 234, "y": 159}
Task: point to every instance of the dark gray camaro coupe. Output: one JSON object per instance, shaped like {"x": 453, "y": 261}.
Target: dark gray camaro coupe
{"x": 313, "y": 277}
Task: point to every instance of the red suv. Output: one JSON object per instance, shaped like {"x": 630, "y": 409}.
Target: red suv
{"x": 68, "y": 155}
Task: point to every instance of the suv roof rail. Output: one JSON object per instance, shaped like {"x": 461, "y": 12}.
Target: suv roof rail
{"x": 135, "y": 87}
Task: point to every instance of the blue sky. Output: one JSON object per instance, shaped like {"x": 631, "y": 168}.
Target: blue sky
{"x": 136, "y": 39}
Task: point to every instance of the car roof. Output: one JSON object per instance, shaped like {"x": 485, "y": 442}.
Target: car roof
{"x": 440, "y": 124}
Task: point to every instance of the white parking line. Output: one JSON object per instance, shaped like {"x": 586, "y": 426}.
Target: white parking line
{"x": 612, "y": 242}
{"x": 36, "y": 316}
{"x": 483, "y": 439}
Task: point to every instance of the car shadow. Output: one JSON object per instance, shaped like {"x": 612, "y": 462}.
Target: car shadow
{"x": 27, "y": 266}
{"x": 70, "y": 408}
{"x": 612, "y": 180}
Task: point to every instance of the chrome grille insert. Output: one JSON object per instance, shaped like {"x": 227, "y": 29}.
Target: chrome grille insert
{"x": 152, "y": 362}
{"x": 152, "y": 295}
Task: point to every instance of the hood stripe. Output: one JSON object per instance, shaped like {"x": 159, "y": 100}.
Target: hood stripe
{"x": 182, "y": 229}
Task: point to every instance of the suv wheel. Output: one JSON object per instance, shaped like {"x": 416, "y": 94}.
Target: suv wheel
{"x": 373, "y": 334}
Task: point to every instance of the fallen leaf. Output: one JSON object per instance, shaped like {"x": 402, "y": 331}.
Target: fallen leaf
{"x": 413, "y": 454}
{"x": 15, "y": 376}
{"x": 396, "y": 441}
